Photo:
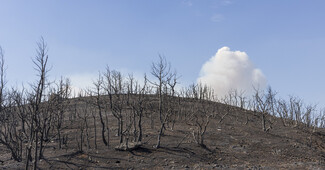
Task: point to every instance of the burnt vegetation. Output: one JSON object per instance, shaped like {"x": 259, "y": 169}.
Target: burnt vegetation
{"x": 152, "y": 123}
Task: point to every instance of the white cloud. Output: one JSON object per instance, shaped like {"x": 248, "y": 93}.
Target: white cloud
{"x": 80, "y": 82}
{"x": 84, "y": 81}
{"x": 229, "y": 70}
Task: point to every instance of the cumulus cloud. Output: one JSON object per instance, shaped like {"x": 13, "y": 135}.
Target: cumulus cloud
{"x": 229, "y": 70}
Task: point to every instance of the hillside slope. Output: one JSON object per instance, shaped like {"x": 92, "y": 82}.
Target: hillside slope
{"x": 234, "y": 141}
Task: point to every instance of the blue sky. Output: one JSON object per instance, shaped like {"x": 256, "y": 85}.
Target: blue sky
{"x": 284, "y": 39}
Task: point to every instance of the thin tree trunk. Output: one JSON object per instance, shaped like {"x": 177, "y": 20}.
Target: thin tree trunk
{"x": 121, "y": 130}
{"x": 59, "y": 136}
{"x": 263, "y": 122}
{"x": 134, "y": 126}
{"x": 41, "y": 149}
{"x": 95, "y": 140}
{"x": 87, "y": 134}
{"x": 36, "y": 150}
{"x": 140, "y": 128}
{"x": 159, "y": 135}
{"x": 107, "y": 137}
{"x": 28, "y": 156}
{"x": 103, "y": 126}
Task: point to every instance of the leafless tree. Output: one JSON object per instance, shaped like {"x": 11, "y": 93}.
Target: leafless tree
{"x": 82, "y": 115}
{"x": 59, "y": 98}
{"x": 201, "y": 110}
{"x": 10, "y": 133}
{"x": 99, "y": 103}
{"x": 93, "y": 114}
{"x": 296, "y": 105}
{"x": 282, "y": 109}
{"x": 114, "y": 88}
{"x": 35, "y": 99}
{"x": 161, "y": 71}
{"x": 308, "y": 115}
{"x": 138, "y": 105}
{"x": 165, "y": 82}
{"x": 265, "y": 105}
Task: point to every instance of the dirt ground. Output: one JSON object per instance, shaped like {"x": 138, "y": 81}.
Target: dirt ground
{"x": 238, "y": 142}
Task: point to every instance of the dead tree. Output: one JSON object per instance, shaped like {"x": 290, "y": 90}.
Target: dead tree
{"x": 59, "y": 98}
{"x": 283, "y": 111}
{"x": 114, "y": 88}
{"x": 138, "y": 105}
{"x": 35, "y": 98}
{"x": 308, "y": 115}
{"x": 167, "y": 112}
{"x": 93, "y": 114}
{"x": 11, "y": 134}
{"x": 296, "y": 105}
{"x": 99, "y": 103}
{"x": 265, "y": 105}
{"x": 161, "y": 71}
{"x": 3, "y": 80}
{"x": 201, "y": 112}
{"x": 176, "y": 108}
{"x": 169, "y": 109}
{"x": 84, "y": 115}
{"x": 201, "y": 122}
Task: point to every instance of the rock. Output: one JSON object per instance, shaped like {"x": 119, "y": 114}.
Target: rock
{"x": 128, "y": 147}
{"x": 217, "y": 166}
